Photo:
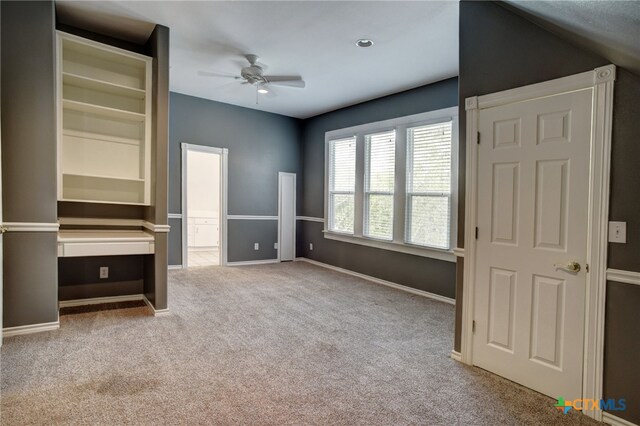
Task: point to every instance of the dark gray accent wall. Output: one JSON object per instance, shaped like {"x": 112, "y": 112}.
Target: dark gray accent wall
{"x": 175, "y": 242}
{"x": 263, "y": 232}
{"x": 500, "y": 50}
{"x": 435, "y": 276}
{"x": 622, "y": 347}
{"x": 28, "y": 161}
{"x": 155, "y": 283}
{"x": 79, "y": 277}
{"x": 260, "y": 145}
{"x": 30, "y": 287}
{"x": 422, "y": 273}
{"x": 28, "y": 112}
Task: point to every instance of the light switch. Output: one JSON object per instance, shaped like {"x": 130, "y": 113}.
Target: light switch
{"x": 256, "y": 246}
{"x": 618, "y": 232}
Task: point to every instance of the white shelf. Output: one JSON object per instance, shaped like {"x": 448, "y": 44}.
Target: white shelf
{"x": 80, "y": 243}
{"x": 81, "y": 175}
{"x": 100, "y": 137}
{"x": 104, "y": 123}
{"x": 102, "y": 86}
{"x": 101, "y": 110}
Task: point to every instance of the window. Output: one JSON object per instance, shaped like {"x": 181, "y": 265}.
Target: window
{"x": 380, "y": 155}
{"x": 392, "y": 184}
{"x": 342, "y": 182}
{"x": 429, "y": 185}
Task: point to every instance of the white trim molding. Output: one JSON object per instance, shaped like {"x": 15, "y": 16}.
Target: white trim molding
{"x": 446, "y": 255}
{"x": 98, "y": 221}
{"x": 601, "y": 82}
{"x": 458, "y": 252}
{"x": 310, "y": 219}
{"x": 455, "y": 355}
{"x": 99, "y": 300}
{"x": 30, "y": 329}
{"x": 250, "y": 217}
{"x": 172, "y": 267}
{"x": 627, "y": 277}
{"x": 154, "y": 311}
{"x": 375, "y": 280}
{"x": 174, "y": 216}
{"x": 252, "y": 262}
{"x": 156, "y": 228}
{"x": 610, "y": 419}
{"x": 31, "y": 227}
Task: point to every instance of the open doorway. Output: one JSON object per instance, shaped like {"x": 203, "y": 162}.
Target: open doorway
{"x": 203, "y": 205}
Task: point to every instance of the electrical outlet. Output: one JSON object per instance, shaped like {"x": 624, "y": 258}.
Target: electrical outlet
{"x": 104, "y": 272}
{"x": 618, "y": 232}
{"x": 256, "y": 246}
{"x": 275, "y": 246}
{"x": 310, "y": 246}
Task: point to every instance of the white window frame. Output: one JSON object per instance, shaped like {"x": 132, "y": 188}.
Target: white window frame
{"x": 400, "y": 125}
{"x": 329, "y": 193}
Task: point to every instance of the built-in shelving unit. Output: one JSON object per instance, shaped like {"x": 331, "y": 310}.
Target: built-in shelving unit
{"x": 104, "y": 124}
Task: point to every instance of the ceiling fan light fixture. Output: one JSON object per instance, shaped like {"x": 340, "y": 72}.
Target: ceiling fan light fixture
{"x": 364, "y": 42}
{"x": 263, "y": 90}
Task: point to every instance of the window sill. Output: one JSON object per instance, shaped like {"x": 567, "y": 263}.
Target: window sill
{"x": 446, "y": 255}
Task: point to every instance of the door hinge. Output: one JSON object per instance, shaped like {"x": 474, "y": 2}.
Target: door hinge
{"x": 476, "y": 232}
{"x": 478, "y": 140}
{"x": 473, "y": 326}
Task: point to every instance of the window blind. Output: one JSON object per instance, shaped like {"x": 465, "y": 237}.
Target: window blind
{"x": 428, "y": 210}
{"x": 380, "y": 152}
{"x": 342, "y": 183}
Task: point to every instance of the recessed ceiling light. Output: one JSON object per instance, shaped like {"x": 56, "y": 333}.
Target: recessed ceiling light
{"x": 364, "y": 42}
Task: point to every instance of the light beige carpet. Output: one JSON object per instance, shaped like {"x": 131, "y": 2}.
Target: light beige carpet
{"x": 271, "y": 344}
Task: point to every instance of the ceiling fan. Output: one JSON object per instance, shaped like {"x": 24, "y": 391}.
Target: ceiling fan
{"x": 254, "y": 74}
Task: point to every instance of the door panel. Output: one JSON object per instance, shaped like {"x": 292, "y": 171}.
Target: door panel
{"x": 287, "y": 216}
{"x": 533, "y": 182}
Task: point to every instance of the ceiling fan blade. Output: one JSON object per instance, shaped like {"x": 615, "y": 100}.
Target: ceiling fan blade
{"x": 217, "y": 74}
{"x": 285, "y": 80}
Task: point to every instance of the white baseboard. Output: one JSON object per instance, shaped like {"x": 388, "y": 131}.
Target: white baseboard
{"x": 98, "y": 300}
{"x": 455, "y": 355}
{"x": 175, "y": 267}
{"x": 156, "y": 312}
{"x": 380, "y": 281}
{"x": 29, "y": 329}
{"x": 610, "y": 419}
{"x": 253, "y": 262}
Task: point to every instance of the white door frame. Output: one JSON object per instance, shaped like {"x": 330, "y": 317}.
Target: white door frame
{"x": 601, "y": 81}
{"x": 222, "y": 226}
{"x": 295, "y": 189}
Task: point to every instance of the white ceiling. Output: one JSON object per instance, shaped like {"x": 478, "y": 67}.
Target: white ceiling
{"x": 416, "y": 43}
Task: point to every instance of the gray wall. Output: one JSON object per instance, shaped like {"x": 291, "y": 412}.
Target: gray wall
{"x": 155, "y": 282}
{"x": 423, "y": 273}
{"x": 79, "y": 277}
{"x": 260, "y": 145}
{"x": 28, "y": 171}
{"x": 500, "y": 50}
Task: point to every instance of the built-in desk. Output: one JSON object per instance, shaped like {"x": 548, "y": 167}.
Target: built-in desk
{"x": 78, "y": 243}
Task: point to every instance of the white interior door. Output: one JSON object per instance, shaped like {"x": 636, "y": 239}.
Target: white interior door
{"x": 533, "y": 190}
{"x": 286, "y": 216}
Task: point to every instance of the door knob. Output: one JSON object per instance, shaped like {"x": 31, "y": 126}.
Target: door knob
{"x": 573, "y": 267}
